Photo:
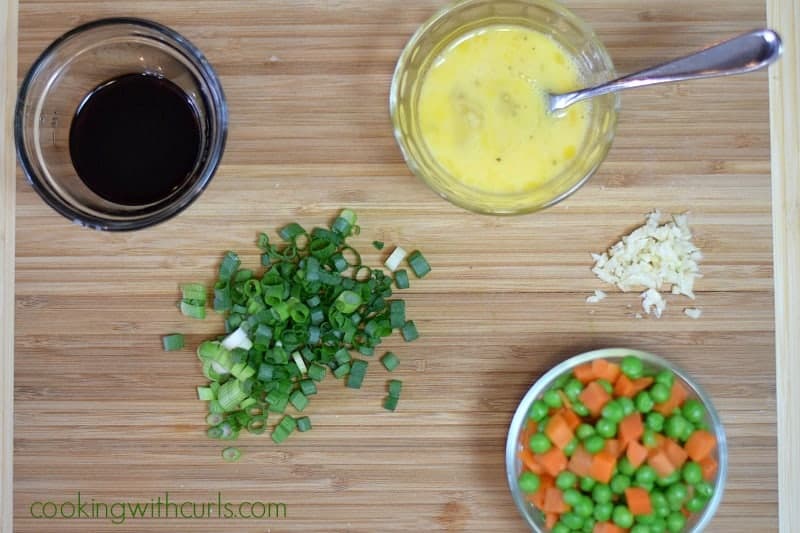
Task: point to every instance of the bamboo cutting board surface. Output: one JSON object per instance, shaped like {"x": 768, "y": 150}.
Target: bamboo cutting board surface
{"x": 102, "y": 410}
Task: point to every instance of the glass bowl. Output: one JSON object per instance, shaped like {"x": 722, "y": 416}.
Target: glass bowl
{"x": 446, "y": 27}
{"x": 73, "y": 66}
{"x": 653, "y": 362}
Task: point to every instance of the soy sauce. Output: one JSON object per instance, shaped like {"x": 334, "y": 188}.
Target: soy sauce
{"x": 135, "y": 139}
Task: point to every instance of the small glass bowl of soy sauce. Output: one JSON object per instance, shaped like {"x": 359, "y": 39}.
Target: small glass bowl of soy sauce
{"x": 120, "y": 124}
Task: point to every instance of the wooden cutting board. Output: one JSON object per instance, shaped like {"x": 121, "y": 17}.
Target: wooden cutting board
{"x": 101, "y": 410}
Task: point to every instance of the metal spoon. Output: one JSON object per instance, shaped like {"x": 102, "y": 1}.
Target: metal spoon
{"x": 742, "y": 54}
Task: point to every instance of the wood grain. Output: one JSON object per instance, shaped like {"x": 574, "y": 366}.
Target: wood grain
{"x": 784, "y": 86}
{"x": 8, "y": 86}
{"x": 101, "y": 410}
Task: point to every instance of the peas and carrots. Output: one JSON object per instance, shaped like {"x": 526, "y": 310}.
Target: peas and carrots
{"x": 612, "y": 447}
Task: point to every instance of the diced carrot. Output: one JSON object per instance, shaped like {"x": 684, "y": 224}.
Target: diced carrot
{"x": 602, "y": 468}
{"x": 603, "y": 369}
{"x": 550, "y": 520}
{"x": 685, "y": 512}
{"x": 583, "y": 373}
{"x": 638, "y": 501}
{"x": 553, "y": 461}
{"x": 537, "y": 498}
{"x": 660, "y": 463}
{"x": 677, "y": 396}
{"x": 572, "y": 419}
{"x": 554, "y": 501}
{"x": 527, "y": 458}
{"x": 709, "y": 466}
{"x": 700, "y": 445}
{"x": 607, "y": 527}
{"x": 623, "y": 387}
{"x": 636, "y": 453}
{"x": 558, "y": 431}
{"x": 631, "y": 428}
{"x": 594, "y": 397}
{"x": 676, "y": 454}
{"x": 580, "y": 463}
{"x": 614, "y": 447}
{"x": 640, "y": 384}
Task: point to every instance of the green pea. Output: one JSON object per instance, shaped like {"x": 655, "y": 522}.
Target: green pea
{"x": 674, "y": 477}
{"x": 625, "y": 466}
{"x": 566, "y": 480}
{"x": 704, "y": 489}
{"x": 687, "y": 432}
{"x": 696, "y": 504}
{"x": 552, "y": 399}
{"x": 646, "y": 474}
{"x": 627, "y": 405}
{"x": 622, "y": 516}
{"x": 572, "y": 497}
{"x": 606, "y": 385}
{"x": 580, "y": 409}
{"x": 640, "y": 528}
{"x": 693, "y": 410}
{"x": 692, "y": 473}
{"x": 659, "y": 525}
{"x": 538, "y": 410}
{"x": 594, "y": 444}
{"x": 584, "y": 508}
{"x": 654, "y": 421}
{"x": 675, "y": 426}
{"x": 659, "y": 392}
{"x": 613, "y": 411}
{"x": 648, "y": 486}
{"x": 587, "y": 484}
{"x": 542, "y": 425}
{"x": 571, "y": 446}
{"x": 584, "y": 431}
{"x": 529, "y": 482}
{"x": 676, "y": 493}
{"x": 676, "y": 522}
{"x": 562, "y": 380}
{"x": 603, "y": 511}
{"x": 644, "y": 403}
{"x": 588, "y": 525}
{"x": 658, "y": 500}
{"x": 632, "y": 366}
{"x": 540, "y": 443}
{"x": 573, "y": 389}
{"x": 702, "y": 425}
{"x": 572, "y": 520}
{"x": 649, "y": 438}
{"x": 606, "y": 428}
{"x": 601, "y": 493}
{"x": 666, "y": 378}
{"x": 560, "y": 527}
{"x": 619, "y": 483}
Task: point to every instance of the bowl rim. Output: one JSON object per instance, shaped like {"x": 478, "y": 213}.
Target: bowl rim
{"x": 541, "y": 384}
{"x": 182, "y": 202}
{"x": 411, "y": 162}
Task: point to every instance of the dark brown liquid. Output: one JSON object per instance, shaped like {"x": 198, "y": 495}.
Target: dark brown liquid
{"x": 135, "y": 139}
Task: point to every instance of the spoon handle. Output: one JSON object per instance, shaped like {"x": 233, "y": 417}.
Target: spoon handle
{"x": 745, "y": 53}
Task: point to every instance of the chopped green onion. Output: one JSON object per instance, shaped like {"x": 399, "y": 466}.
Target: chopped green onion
{"x": 193, "y": 310}
{"x": 231, "y": 454}
{"x": 291, "y": 231}
{"x": 401, "y": 279}
{"x": 409, "y": 331}
{"x": 419, "y": 264}
{"x": 206, "y": 394}
{"x": 347, "y": 302}
{"x": 342, "y": 370}
{"x": 298, "y": 400}
{"x": 308, "y": 387}
{"x": 357, "y": 372}
{"x": 395, "y": 386}
{"x": 397, "y": 313}
{"x": 378, "y": 245}
{"x": 194, "y": 291}
{"x": 395, "y": 258}
{"x": 390, "y": 403}
{"x": 172, "y": 342}
{"x": 390, "y": 361}
{"x": 317, "y": 371}
{"x": 298, "y": 360}
{"x": 303, "y": 424}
